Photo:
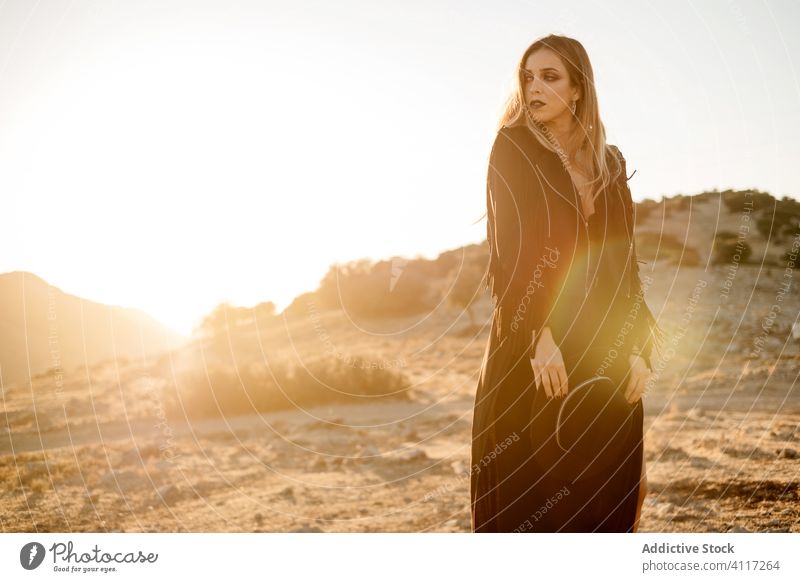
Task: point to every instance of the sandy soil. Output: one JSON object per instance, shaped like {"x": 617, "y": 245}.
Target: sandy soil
{"x": 722, "y": 438}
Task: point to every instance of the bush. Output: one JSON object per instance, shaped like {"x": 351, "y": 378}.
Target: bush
{"x": 644, "y": 209}
{"x": 464, "y": 286}
{"x": 784, "y": 222}
{"x": 728, "y": 249}
{"x": 689, "y": 258}
{"x": 226, "y": 391}
{"x": 655, "y": 245}
{"x": 398, "y": 287}
{"x": 741, "y": 200}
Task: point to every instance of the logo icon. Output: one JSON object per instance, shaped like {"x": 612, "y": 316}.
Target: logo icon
{"x": 31, "y": 555}
{"x": 398, "y": 266}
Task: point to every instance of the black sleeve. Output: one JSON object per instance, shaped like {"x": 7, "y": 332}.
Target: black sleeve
{"x": 646, "y": 333}
{"x": 517, "y": 232}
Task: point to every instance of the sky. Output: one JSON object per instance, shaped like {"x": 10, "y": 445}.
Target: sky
{"x": 171, "y": 155}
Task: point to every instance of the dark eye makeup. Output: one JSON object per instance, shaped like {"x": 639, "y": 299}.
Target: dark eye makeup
{"x": 528, "y": 77}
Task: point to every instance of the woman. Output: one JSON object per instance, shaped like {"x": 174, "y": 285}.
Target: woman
{"x": 569, "y": 303}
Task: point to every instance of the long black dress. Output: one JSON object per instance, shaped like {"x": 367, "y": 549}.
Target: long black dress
{"x": 551, "y": 267}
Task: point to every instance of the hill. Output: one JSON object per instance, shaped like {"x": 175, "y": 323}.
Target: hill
{"x": 43, "y": 328}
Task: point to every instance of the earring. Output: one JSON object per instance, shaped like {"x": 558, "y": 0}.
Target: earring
{"x": 574, "y": 106}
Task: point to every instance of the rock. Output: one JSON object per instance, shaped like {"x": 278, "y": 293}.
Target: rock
{"x": 664, "y": 510}
{"x": 696, "y": 413}
{"x": 169, "y": 493}
{"x": 784, "y": 434}
{"x": 787, "y": 453}
{"x": 700, "y": 462}
{"x": 259, "y": 519}
{"x": 410, "y": 452}
{"x": 318, "y": 464}
{"x": 739, "y": 529}
{"x": 672, "y": 453}
{"x": 287, "y": 493}
{"x": 773, "y": 523}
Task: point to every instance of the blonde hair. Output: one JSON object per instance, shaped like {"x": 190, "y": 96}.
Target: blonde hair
{"x": 588, "y": 138}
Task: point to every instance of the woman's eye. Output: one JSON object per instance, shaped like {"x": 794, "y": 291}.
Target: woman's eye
{"x": 550, "y": 78}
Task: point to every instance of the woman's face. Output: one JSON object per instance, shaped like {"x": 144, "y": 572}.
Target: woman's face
{"x": 546, "y": 85}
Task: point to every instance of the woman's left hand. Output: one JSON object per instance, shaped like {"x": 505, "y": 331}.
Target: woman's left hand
{"x": 640, "y": 374}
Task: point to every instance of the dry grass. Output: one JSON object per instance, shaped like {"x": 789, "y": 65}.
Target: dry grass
{"x": 226, "y": 391}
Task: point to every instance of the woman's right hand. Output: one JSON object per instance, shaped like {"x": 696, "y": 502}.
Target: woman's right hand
{"x": 548, "y": 366}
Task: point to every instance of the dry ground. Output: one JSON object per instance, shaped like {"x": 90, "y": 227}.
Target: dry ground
{"x": 722, "y": 436}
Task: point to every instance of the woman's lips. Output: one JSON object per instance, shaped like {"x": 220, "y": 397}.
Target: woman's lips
{"x": 536, "y": 104}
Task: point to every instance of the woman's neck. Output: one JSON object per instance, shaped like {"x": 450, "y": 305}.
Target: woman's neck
{"x": 561, "y": 128}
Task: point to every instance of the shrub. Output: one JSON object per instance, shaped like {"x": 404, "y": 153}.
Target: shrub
{"x": 397, "y": 287}
{"x": 655, "y": 245}
{"x": 728, "y": 248}
{"x": 226, "y": 391}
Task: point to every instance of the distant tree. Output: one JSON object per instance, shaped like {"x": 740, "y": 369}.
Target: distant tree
{"x": 782, "y": 223}
{"x": 216, "y": 321}
{"x": 265, "y": 309}
{"x": 643, "y": 210}
{"x": 790, "y": 257}
{"x": 727, "y": 247}
{"x": 449, "y": 260}
{"x": 740, "y": 200}
{"x": 264, "y": 312}
{"x": 466, "y": 285}
{"x": 683, "y": 202}
{"x": 301, "y": 305}
{"x": 395, "y": 287}
{"x": 226, "y": 317}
